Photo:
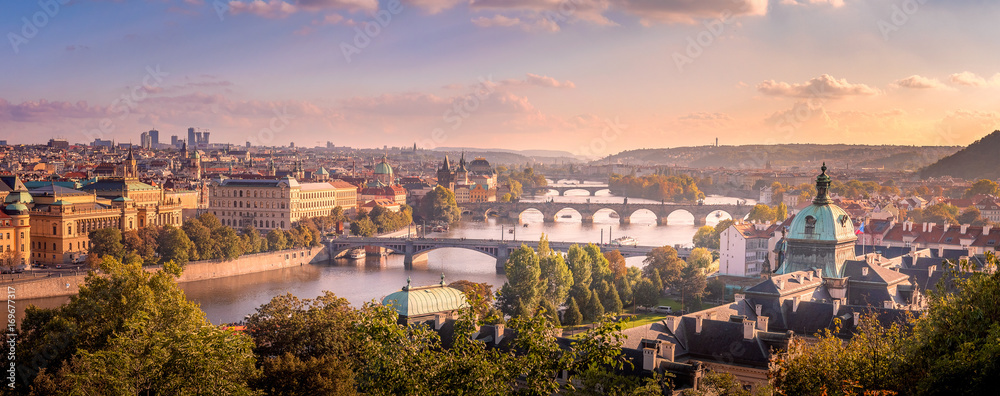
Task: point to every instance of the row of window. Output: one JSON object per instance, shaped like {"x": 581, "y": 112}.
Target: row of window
{"x": 233, "y": 194}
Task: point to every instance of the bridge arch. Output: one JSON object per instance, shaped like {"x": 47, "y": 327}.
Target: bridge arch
{"x": 560, "y": 215}
{"x": 680, "y": 216}
{"x": 606, "y": 215}
{"x": 716, "y": 216}
{"x": 645, "y": 216}
{"x": 577, "y": 192}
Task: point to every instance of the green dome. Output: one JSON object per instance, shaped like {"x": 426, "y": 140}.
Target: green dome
{"x": 16, "y": 207}
{"x": 19, "y": 197}
{"x": 322, "y": 171}
{"x": 412, "y": 302}
{"x": 122, "y": 199}
{"x": 61, "y": 203}
{"x": 822, "y": 223}
{"x": 383, "y": 168}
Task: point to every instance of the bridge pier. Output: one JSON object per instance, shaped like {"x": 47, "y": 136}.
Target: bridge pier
{"x": 662, "y": 220}
{"x": 502, "y": 255}
{"x": 624, "y": 219}
{"x": 700, "y": 221}
{"x": 549, "y": 219}
{"x": 588, "y": 218}
{"x": 409, "y": 259}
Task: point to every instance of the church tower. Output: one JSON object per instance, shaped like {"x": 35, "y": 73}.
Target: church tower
{"x": 444, "y": 175}
{"x": 821, "y": 236}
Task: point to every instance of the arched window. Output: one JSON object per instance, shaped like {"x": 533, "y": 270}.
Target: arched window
{"x": 810, "y": 225}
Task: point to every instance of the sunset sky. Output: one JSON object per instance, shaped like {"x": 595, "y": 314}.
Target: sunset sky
{"x": 592, "y": 77}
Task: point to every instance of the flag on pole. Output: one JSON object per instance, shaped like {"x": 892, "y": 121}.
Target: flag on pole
{"x": 861, "y": 230}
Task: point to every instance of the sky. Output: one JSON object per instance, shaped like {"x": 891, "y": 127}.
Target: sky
{"x": 592, "y": 77}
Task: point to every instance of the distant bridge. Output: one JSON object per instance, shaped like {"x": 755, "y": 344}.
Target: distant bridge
{"x": 556, "y": 177}
{"x": 550, "y": 210}
{"x": 416, "y": 249}
{"x": 592, "y": 189}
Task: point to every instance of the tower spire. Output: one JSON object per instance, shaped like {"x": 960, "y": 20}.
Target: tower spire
{"x": 823, "y": 188}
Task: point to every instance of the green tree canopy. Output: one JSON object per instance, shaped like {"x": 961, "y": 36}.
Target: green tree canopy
{"x": 439, "y": 205}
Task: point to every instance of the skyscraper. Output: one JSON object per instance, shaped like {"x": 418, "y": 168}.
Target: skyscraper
{"x": 191, "y": 138}
{"x": 154, "y": 136}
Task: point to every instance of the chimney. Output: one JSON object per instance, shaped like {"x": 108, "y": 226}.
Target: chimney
{"x": 762, "y": 323}
{"x": 924, "y": 227}
{"x": 809, "y": 276}
{"x": 697, "y": 325}
{"x": 836, "y": 306}
{"x": 758, "y": 309}
{"x": 667, "y": 350}
{"x": 740, "y": 297}
{"x": 864, "y": 271}
{"x": 780, "y": 283}
{"x": 498, "y": 333}
{"x": 857, "y": 318}
{"x": 672, "y": 323}
{"x": 964, "y": 228}
{"x": 930, "y": 270}
{"x": 439, "y": 320}
{"x": 648, "y": 359}
{"x": 819, "y": 272}
{"x": 749, "y": 332}
{"x": 795, "y": 304}
{"x": 946, "y": 226}
{"x": 986, "y": 229}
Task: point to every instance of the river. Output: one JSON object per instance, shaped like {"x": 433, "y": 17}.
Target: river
{"x": 359, "y": 281}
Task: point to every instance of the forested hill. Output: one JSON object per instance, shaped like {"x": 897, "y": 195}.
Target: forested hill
{"x": 788, "y": 156}
{"x": 981, "y": 160}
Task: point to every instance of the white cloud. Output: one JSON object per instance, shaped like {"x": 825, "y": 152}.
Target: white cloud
{"x": 526, "y": 24}
{"x": 540, "y": 81}
{"x": 824, "y": 86}
{"x": 920, "y": 82}
{"x": 273, "y": 9}
{"x": 971, "y": 79}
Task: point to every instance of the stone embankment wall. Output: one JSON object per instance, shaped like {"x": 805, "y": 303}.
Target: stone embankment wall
{"x": 68, "y": 285}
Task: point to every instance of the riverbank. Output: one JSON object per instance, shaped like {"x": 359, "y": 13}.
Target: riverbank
{"x": 60, "y": 285}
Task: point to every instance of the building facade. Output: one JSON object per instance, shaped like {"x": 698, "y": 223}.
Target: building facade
{"x": 268, "y": 204}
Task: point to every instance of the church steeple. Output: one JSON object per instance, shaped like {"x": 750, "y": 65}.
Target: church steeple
{"x": 823, "y": 188}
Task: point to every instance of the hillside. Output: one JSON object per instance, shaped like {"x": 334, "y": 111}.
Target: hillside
{"x": 981, "y": 160}
{"x": 788, "y": 156}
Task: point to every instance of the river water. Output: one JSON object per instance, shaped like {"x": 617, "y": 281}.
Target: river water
{"x": 231, "y": 299}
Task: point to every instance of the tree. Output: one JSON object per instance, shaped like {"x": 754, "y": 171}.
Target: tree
{"x": 781, "y": 212}
{"x": 625, "y": 294}
{"x": 572, "y": 316}
{"x": 175, "y": 246}
{"x": 954, "y": 347}
{"x": 523, "y": 270}
{"x": 691, "y": 284}
{"x": 580, "y": 266}
{"x": 700, "y": 259}
{"x": 130, "y": 331}
{"x": 439, "y": 205}
{"x": 716, "y": 289}
{"x": 705, "y": 238}
{"x": 363, "y": 226}
{"x": 665, "y": 260}
{"x": 549, "y": 311}
{"x": 106, "y": 242}
{"x": 617, "y": 265}
{"x": 984, "y": 187}
{"x": 761, "y": 213}
{"x": 646, "y": 293}
{"x": 595, "y": 310}
{"x": 971, "y": 216}
{"x": 276, "y": 240}
{"x": 206, "y": 247}
{"x": 612, "y": 302}
{"x": 725, "y": 384}
{"x": 600, "y": 268}
{"x": 556, "y": 280}
{"x": 229, "y": 244}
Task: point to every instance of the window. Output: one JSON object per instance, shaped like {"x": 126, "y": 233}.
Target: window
{"x": 810, "y": 225}
{"x": 54, "y": 230}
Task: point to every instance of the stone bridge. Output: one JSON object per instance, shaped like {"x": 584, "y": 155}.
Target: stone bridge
{"x": 416, "y": 249}
{"x": 592, "y": 189}
{"x": 550, "y": 210}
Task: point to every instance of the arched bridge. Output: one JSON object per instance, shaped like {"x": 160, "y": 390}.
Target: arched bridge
{"x": 592, "y": 189}
{"x": 550, "y": 210}
{"x": 416, "y": 249}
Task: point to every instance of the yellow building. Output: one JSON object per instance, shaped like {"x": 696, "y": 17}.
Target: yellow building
{"x": 275, "y": 204}
{"x": 61, "y": 220}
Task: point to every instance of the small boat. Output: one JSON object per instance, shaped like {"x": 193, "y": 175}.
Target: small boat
{"x": 525, "y": 225}
{"x": 624, "y": 241}
{"x": 566, "y": 216}
{"x": 613, "y": 215}
{"x": 510, "y": 231}
{"x": 356, "y": 254}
